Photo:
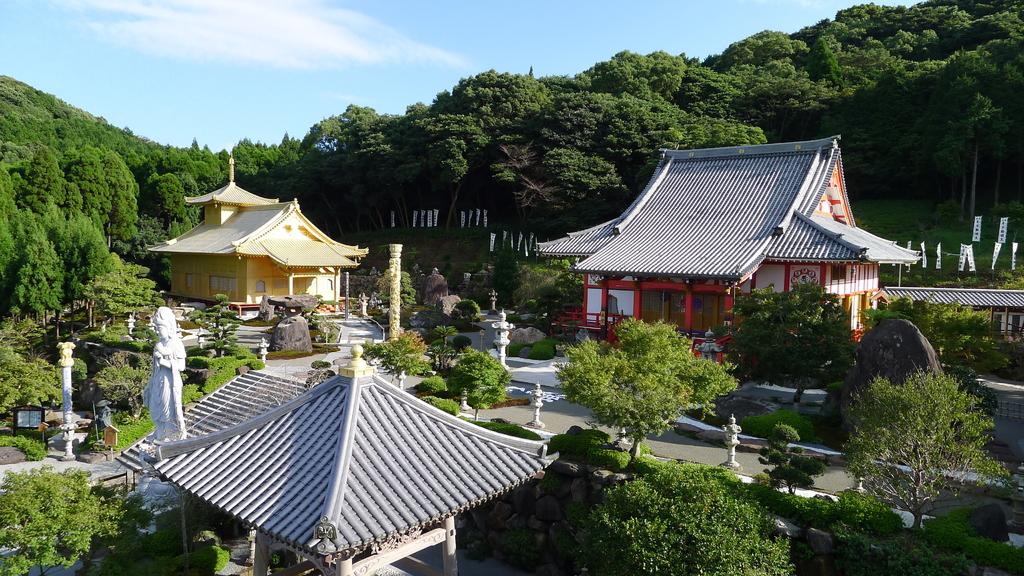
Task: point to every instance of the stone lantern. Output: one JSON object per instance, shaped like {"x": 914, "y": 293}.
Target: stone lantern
{"x": 501, "y": 341}
{"x": 732, "y": 432}
{"x": 538, "y": 402}
{"x": 709, "y": 349}
{"x": 494, "y": 301}
{"x": 264, "y": 345}
{"x": 131, "y": 323}
{"x": 464, "y": 402}
{"x": 483, "y": 340}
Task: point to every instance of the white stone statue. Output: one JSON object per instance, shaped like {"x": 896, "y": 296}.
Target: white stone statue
{"x": 163, "y": 393}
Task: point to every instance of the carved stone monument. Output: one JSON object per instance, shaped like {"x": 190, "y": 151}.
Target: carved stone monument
{"x": 494, "y": 301}
{"x": 732, "y": 440}
{"x": 395, "y": 308}
{"x": 68, "y": 426}
{"x": 502, "y": 328}
{"x": 292, "y": 333}
{"x": 435, "y": 287}
{"x": 163, "y": 393}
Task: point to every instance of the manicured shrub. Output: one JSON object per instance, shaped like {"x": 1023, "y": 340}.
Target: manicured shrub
{"x": 856, "y": 512}
{"x": 543, "y": 350}
{"x": 209, "y": 560}
{"x": 197, "y": 351}
{"x": 432, "y": 385}
{"x": 449, "y": 406}
{"x": 467, "y": 310}
{"x": 861, "y": 555}
{"x": 33, "y": 448}
{"x": 762, "y": 426}
{"x": 508, "y": 429}
{"x": 200, "y": 362}
{"x": 671, "y": 522}
{"x": 589, "y": 447}
{"x": 953, "y": 532}
{"x": 515, "y": 348}
{"x": 461, "y": 342}
{"x": 255, "y": 364}
{"x": 520, "y": 548}
{"x": 191, "y": 393}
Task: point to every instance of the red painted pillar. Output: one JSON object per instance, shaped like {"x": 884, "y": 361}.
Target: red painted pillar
{"x": 689, "y": 308}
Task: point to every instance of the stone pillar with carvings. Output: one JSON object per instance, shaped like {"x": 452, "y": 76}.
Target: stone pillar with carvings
{"x": 68, "y": 426}
{"x": 732, "y": 433}
{"x": 395, "y": 308}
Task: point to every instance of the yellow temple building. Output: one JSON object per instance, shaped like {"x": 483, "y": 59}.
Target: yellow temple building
{"x": 248, "y": 247}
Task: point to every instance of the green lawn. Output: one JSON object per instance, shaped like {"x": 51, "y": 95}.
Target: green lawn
{"x": 914, "y": 220}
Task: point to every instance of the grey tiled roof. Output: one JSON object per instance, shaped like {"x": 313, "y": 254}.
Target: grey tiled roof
{"x": 978, "y": 297}
{"x": 876, "y": 249}
{"x": 372, "y": 459}
{"x": 717, "y": 213}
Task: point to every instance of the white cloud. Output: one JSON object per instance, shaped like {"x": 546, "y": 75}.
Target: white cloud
{"x": 281, "y": 33}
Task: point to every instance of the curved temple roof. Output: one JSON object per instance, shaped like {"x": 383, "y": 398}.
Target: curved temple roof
{"x": 355, "y": 454}
{"x": 719, "y": 212}
{"x": 231, "y": 193}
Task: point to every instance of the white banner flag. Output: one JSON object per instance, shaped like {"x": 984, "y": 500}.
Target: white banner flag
{"x": 415, "y": 215}
{"x": 493, "y": 237}
{"x": 392, "y": 218}
{"x": 435, "y": 216}
{"x": 477, "y": 216}
{"x": 430, "y": 219}
{"x": 485, "y": 218}
{"x": 963, "y": 257}
{"x": 976, "y": 236}
{"x": 1003, "y": 222}
{"x": 924, "y": 256}
{"x": 995, "y": 253}
{"x": 519, "y": 242}
{"x": 462, "y": 218}
{"x": 970, "y": 258}
{"x": 504, "y": 236}
{"x": 938, "y": 256}
{"x": 1013, "y": 256}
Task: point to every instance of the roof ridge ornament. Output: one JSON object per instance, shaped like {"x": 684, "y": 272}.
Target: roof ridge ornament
{"x": 231, "y": 168}
{"x": 357, "y": 367}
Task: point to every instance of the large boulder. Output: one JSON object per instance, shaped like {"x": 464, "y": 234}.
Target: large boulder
{"x": 527, "y": 335}
{"x": 291, "y": 334}
{"x": 989, "y": 521}
{"x": 267, "y": 310}
{"x": 434, "y": 288}
{"x": 447, "y": 304}
{"x": 894, "y": 350}
{"x": 294, "y": 303}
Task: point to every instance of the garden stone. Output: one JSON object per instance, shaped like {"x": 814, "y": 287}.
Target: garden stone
{"x": 989, "y": 521}
{"x": 574, "y": 430}
{"x": 479, "y": 518}
{"x": 523, "y": 500}
{"x": 515, "y": 521}
{"x": 526, "y": 335}
{"x": 786, "y": 528}
{"x": 534, "y": 524}
{"x": 821, "y": 542}
{"x": 895, "y": 350}
{"x": 434, "y": 288}
{"x": 93, "y": 457}
{"x": 242, "y": 370}
{"x": 741, "y": 406}
{"x": 446, "y": 304}
{"x": 548, "y": 509}
{"x": 428, "y": 320}
{"x": 818, "y": 566}
{"x": 267, "y": 310}
{"x": 578, "y": 490}
{"x": 500, "y": 513}
{"x": 11, "y": 455}
{"x": 566, "y": 468}
{"x": 291, "y": 334}
{"x": 601, "y": 475}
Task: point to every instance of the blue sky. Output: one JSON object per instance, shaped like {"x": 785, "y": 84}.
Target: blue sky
{"x": 221, "y": 70}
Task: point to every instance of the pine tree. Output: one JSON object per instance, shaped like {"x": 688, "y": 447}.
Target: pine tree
{"x": 44, "y": 182}
{"x": 36, "y": 284}
{"x": 822, "y": 63}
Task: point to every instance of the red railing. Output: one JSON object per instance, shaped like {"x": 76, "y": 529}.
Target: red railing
{"x": 588, "y": 320}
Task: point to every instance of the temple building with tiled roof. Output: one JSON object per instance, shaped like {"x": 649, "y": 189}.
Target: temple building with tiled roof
{"x": 715, "y": 222}
{"x": 249, "y": 246}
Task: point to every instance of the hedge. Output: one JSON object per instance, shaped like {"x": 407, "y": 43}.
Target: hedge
{"x": 508, "y": 429}
{"x": 432, "y": 385}
{"x": 542, "y": 350}
{"x": 449, "y": 406}
{"x": 861, "y": 555}
{"x": 591, "y": 447}
{"x": 33, "y": 448}
{"x": 515, "y": 348}
{"x": 209, "y": 560}
{"x": 460, "y": 342}
{"x": 854, "y": 511}
{"x": 761, "y": 426}
{"x": 953, "y": 532}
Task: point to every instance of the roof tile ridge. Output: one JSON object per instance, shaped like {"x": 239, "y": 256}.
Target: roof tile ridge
{"x": 814, "y": 174}
{"x": 165, "y": 450}
{"x": 346, "y": 444}
{"x": 257, "y": 234}
{"x": 837, "y": 236}
{"x": 800, "y": 146}
{"x": 645, "y": 196}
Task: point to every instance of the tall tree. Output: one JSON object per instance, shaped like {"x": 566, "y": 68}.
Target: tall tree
{"x": 643, "y": 383}
{"x": 43, "y": 183}
{"x": 36, "y": 284}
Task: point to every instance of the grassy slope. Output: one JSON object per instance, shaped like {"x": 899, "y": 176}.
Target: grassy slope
{"x": 914, "y": 220}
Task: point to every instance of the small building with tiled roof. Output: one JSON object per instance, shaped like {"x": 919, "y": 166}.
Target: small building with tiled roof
{"x": 1004, "y": 307}
{"x": 351, "y": 475}
{"x": 249, "y": 246}
{"x": 716, "y": 222}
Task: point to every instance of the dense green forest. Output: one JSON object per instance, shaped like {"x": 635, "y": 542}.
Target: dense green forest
{"x": 927, "y": 99}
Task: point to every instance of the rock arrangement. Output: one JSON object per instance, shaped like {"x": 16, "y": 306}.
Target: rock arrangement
{"x": 435, "y": 287}
{"x": 537, "y": 512}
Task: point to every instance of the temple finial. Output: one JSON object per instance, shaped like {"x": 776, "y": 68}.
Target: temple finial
{"x": 231, "y": 168}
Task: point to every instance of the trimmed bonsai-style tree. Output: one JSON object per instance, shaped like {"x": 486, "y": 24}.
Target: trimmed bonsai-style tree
{"x": 644, "y": 382}
{"x": 122, "y": 380}
{"x": 481, "y": 377}
{"x": 682, "y": 519}
{"x": 403, "y": 353}
{"x": 915, "y": 441}
{"x": 219, "y": 322}
{"x": 789, "y": 467}
{"x": 799, "y": 338}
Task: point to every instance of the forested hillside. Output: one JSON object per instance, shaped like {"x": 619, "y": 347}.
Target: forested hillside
{"x": 927, "y": 99}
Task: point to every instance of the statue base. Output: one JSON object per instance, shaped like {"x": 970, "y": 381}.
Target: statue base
{"x": 732, "y": 465}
